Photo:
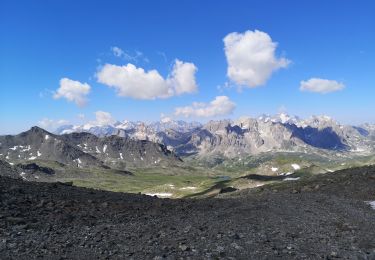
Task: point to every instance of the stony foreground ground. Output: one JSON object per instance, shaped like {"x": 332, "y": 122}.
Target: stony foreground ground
{"x": 322, "y": 218}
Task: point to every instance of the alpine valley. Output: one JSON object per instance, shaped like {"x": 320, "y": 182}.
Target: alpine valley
{"x": 186, "y": 159}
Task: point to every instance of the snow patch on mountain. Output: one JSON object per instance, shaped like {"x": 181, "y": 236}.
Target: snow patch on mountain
{"x": 371, "y": 203}
{"x": 291, "y": 179}
{"x": 160, "y": 194}
{"x": 13, "y": 148}
{"x": 296, "y": 166}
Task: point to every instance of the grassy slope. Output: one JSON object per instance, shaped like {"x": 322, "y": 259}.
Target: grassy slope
{"x": 179, "y": 180}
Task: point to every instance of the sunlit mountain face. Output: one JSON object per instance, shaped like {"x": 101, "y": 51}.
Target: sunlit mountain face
{"x": 245, "y": 135}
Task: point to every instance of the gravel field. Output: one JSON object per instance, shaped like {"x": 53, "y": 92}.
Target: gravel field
{"x": 323, "y": 217}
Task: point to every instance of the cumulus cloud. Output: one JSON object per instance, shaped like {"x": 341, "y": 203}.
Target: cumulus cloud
{"x": 251, "y": 58}
{"x": 73, "y": 91}
{"x": 220, "y": 106}
{"x": 321, "y": 85}
{"x": 104, "y": 118}
{"x": 182, "y": 78}
{"x": 130, "y": 81}
{"x": 51, "y": 124}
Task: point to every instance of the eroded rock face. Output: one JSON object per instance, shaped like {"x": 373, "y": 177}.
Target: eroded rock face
{"x": 53, "y": 220}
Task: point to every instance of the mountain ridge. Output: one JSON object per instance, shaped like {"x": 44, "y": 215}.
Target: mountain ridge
{"x": 76, "y": 150}
{"x": 245, "y": 135}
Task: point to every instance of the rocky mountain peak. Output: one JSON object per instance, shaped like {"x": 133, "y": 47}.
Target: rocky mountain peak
{"x": 37, "y": 129}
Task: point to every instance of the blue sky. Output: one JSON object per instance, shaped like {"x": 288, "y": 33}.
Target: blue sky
{"x": 43, "y": 42}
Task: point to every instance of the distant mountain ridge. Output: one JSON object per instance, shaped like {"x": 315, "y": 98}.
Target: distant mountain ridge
{"x": 38, "y": 143}
{"x": 246, "y": 135}
{"x": 120, "y": 152}
{"x": 84, "y": 150}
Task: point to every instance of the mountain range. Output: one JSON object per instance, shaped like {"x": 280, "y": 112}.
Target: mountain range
{"x": 177, "y": 158}
{"x": 244, "y": 136}
{"x": 128, "y": 145}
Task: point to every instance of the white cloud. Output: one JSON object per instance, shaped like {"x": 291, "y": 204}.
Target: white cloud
{"x": 130, "y": 81}
{"x": 251, "y": 58}
{"x": 321, "y": 85}
{"x": 220, "y": 106}
{"x": 117, "y": 51}
{"x": 227, "y": 85}
{"x": 182, "y": 78}
{"x": 138, "y": 55}
{"x": 164, "y": 118}
{"x": 51, "y": 124}
{"x": 104, "y": 118}
{"x": 73, "y": 91}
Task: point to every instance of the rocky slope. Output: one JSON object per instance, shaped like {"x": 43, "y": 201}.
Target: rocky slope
{"x": 115, "y": 150}
{"x": 7, "y": 170}
{"x": 325, "y": 217}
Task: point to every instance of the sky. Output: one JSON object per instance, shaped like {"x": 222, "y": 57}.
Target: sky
{"x": 99, "y": 61}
